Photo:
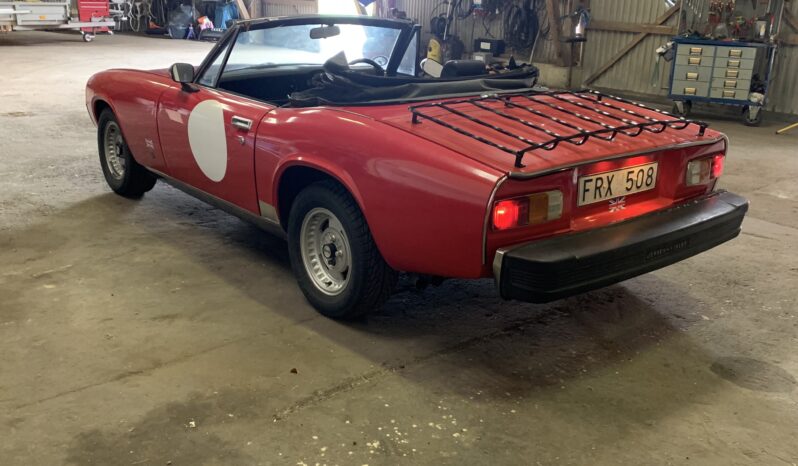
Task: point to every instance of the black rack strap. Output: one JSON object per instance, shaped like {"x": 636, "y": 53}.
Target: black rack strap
{"x": 601, "y": 106}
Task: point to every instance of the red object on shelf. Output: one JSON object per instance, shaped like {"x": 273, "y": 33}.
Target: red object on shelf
{"x": 88, "y": 10}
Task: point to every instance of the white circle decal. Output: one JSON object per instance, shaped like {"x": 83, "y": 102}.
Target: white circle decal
{"x": 207, "y": 139}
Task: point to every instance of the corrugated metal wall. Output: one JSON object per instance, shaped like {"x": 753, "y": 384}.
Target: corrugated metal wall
{"x": 632, "y": 74}
{"x": 784, "y": 93}
{"x": 290, "y": 8}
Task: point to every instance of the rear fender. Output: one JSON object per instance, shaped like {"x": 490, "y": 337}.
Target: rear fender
{"x": 425, "y": 205}
{"x": 320, "y": 165}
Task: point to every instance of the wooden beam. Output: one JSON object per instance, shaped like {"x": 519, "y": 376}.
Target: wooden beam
{"x": 788, "y": 39}
{"x": 791, "y": 20}
{"x": 639, "y": 38}
{"x": 616, "y": 26}
{"x": 555, "y": 29}
{"x": 295, "y": 3}
{"x": 361, "y": 10}
{"x": 243, "y": 12}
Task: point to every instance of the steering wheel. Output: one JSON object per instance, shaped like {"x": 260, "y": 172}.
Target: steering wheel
{"x": 377, "y": 68}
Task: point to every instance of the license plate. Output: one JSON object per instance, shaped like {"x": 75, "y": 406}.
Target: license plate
{"x": 617, "y": 183}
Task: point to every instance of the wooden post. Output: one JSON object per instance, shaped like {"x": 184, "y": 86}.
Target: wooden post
{"x": 555, "y": 29}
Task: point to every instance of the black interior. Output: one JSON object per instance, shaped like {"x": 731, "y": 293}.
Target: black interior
{"x": 275, "y": 84}
{"x": 338, "y": 83}
{"x": 270, "y": 84}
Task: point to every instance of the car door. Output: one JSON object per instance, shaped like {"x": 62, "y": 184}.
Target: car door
{"x": 208, "y": 138}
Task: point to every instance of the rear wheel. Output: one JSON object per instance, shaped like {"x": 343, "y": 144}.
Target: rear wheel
{"x": 122, "y": 173}
{"x": 682, "y": 108}
{"x": 333, "y": 256}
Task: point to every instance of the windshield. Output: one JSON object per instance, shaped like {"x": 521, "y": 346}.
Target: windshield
{"x": 309, "y": 44}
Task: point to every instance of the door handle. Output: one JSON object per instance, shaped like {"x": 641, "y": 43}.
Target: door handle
{"x": 241, "y": 123}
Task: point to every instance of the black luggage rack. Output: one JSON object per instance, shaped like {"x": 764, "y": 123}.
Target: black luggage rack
{"x": 597, "y": 101}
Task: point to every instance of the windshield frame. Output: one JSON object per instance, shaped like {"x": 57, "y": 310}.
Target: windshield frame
{"x": 407, "y": 30}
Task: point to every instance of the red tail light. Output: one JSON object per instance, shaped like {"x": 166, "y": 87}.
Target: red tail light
{"x": 717, "y": 165}
{"x": 506, "y": 214}
{"x": 527, "y": 210}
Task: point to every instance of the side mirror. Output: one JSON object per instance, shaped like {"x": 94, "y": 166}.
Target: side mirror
{"x": 182, "y": 73}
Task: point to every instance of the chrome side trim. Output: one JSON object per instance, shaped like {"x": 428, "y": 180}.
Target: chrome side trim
{"x": 261, "y": 222}
{"x": 268, "y": 212}
{"x": 486, "y": 222}
{"x": 533, "y": 175}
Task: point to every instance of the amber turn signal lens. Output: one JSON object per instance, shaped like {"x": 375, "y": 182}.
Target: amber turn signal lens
{"x": 527, "y": 210}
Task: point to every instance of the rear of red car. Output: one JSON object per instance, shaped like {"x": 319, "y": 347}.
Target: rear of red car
{"x": 597, "y": 189}
{"x": 585, "y": 243}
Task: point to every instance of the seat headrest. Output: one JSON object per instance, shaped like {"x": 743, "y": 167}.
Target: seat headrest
{"x": 458, "y": 68}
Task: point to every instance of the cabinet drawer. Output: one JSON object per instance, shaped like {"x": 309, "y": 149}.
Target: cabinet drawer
{"x": 695, "y": 50}
{"x": 731, "y": 73}
{"x": 734, "y": 63}
{"x": 744, "y": 53}
{"x": 692, "y": 73}
{"x": 690, "y": 88}
{"x": 723, "y": 83}
{"x": 685, "y": 60}
{"x": 736, "y": 94}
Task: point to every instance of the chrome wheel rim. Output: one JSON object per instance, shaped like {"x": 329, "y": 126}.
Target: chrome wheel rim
{"x": 114, "y": 145}
{"x": 325, "y": 251}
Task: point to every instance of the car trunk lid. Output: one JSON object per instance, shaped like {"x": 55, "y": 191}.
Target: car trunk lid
{"x": 529, "y": 134}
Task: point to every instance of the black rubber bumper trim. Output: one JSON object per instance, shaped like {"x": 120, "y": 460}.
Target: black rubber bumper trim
{"x": 555, "y": 268}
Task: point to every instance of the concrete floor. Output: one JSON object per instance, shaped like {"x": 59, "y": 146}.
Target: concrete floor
{"x": 163, "y": 331}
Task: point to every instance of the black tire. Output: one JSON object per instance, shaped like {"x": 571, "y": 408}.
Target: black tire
{"x": 748, "y": 121}
{"x": 370, "y": 281}
{"x": 134, "y": 180}
{"x": 688, "y": 109}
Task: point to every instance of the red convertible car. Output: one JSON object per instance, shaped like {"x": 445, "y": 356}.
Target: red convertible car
{"x": 319, "y": 129}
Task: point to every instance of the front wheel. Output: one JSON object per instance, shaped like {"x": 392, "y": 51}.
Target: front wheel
{"x": 333, "y": 256}
{"x": 122, "y": 173}
{"x": 752, "y": 116}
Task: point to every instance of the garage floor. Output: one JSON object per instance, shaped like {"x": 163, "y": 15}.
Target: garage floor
{"x": 163, "y": 331}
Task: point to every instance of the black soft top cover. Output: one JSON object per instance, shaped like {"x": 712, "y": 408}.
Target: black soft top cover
{"x": 339, "y": 85}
